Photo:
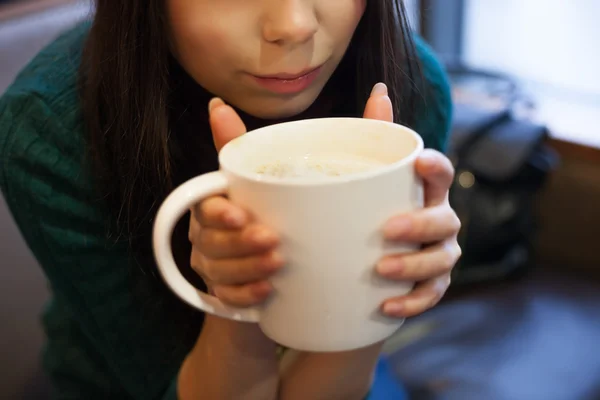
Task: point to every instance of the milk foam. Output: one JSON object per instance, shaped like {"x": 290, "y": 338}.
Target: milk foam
{"x": 316, "y": 166}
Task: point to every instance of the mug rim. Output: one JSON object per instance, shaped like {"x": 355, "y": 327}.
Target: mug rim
{"x": 326, "y": 180}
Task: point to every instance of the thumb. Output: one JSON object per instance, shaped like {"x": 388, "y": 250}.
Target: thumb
{"x": 225, "y": 123}
{"x": 379, "y": 105}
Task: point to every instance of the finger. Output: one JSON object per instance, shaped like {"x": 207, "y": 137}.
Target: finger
{"x": 433, "y": 261}
{"x": 244, "y": 295}
{"x": 225, "y": 123}
{"x": 427, "y": 225}
{"x": 235, "y": 271}
{"x": 252, "y": 240}
{"x": 379, "y": 105}
{"x": 425, "y": 295}
{"x": 437, "y": 173}
{"x": 194, "y": 228}
{"x": 220, "y": 213}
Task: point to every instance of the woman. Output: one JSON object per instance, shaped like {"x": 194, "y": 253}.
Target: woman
{"x": 102, "y": 124}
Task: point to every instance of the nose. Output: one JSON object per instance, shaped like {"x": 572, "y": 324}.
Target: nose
{"x": 290, "y": 22}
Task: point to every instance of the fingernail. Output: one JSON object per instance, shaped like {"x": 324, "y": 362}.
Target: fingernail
{"x": 389, "y": 266}
{"x": 214, "y": 103}
{"x": 380, "y": 89}
{"x": 397, "y": 227}
{"x": 277, "y": 259}
{"x": 393, "y": 308}
{"x": 261, "y": 289}
{"x": 272, "y": 261}
{"x": 234, "y": 218}
{"x": 263, "y": 237}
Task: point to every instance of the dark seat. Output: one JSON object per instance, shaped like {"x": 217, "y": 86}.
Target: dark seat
{"x": 535, "y": 339}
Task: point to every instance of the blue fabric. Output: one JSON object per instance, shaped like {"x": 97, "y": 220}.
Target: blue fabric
{"x": 385, "y": 385}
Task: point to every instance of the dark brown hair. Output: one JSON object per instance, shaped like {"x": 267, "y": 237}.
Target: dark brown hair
{"x": 126, "y": 87}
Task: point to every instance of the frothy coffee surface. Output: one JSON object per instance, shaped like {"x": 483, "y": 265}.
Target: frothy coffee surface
{"x": 318, "y": 166}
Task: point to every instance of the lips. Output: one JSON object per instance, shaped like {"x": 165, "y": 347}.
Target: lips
{"x": 289, "y": 77}
{"x": 288, "y": 83}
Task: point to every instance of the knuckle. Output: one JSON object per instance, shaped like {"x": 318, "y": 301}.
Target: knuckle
{"x": 203, "y": 239}
{"x": 451, "y": 222}
{"x": 224, "y": 294}
{"x": 245, "y": 302}
{"x": 198, "y": 263}
{"x": 195, "y": 262}
{"x": 208, "y": 270}
{"x": 448, "y": 281}
{"x": 253, "y": 299}
{"x": 206, "y": 211}
{"x": 200, "y": 211}
{"x": 233, "y": 297}
{"x": 193, "y": 231}
{"x": 440, "y": 288}
{"x": 434, "y": 301}
{"x": 203, "y": 218}
{"x": 447, "y": 262}
{"x": 450, "y": 257}
{"x": 194, "y": 212}
{"x": 417, "y": 227}
{"x": 438, "y": 294}
{"x": 414, "y": 263}
{"x": 214, "y": 210}
{"x": 445, "y": 284}
{"x": 457, "y": 251}
{"x": 456, "y": 223}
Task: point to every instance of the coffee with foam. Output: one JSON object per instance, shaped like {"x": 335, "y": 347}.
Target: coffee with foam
{"x": 322, "y": 165}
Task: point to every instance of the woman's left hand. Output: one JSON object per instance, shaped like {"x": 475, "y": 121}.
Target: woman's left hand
{"x": 435, "y": 227}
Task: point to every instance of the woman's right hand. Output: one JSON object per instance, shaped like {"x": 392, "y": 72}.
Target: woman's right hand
{"x": 235, "y": 256}
{"x": 232, "y": 253}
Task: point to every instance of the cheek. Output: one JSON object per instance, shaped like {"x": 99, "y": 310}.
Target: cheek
{"x": 197, "y": 42}
{"x": 359, "y": 7}
{"x": 197, "y": 34}
{"x": 342, "y": 17}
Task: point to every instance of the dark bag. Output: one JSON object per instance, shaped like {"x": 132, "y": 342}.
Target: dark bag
{"x": 501, "y": 164}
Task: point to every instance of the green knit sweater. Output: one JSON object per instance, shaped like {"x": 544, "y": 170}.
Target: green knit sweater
{"x": 110, "y": 330}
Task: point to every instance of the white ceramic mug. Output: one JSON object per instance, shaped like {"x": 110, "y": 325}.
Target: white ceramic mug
{"x": 328, "y": 296}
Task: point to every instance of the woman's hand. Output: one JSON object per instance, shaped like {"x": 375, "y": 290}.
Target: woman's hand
{"x": 435, "y": 227}
{"x": 236, "y": 255}
{"x": 233, "y": 254}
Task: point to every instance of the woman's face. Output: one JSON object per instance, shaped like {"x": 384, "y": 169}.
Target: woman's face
{"x": 270, "y": 58}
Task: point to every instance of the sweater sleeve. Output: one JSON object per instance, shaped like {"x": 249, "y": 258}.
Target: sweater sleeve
{"x": 435, "y": 108}
{"x": 119, "y": 341}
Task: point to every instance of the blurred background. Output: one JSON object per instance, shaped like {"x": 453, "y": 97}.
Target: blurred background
{"x": 522, "y": 320}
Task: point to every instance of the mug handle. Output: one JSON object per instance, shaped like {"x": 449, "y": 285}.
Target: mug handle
{"x": 173, "y": 208}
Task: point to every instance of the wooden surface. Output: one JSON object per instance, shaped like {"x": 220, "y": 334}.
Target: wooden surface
{"x": 569, "y": 211}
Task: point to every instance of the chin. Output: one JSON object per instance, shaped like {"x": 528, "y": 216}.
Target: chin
{"x": 280, "y": 107}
